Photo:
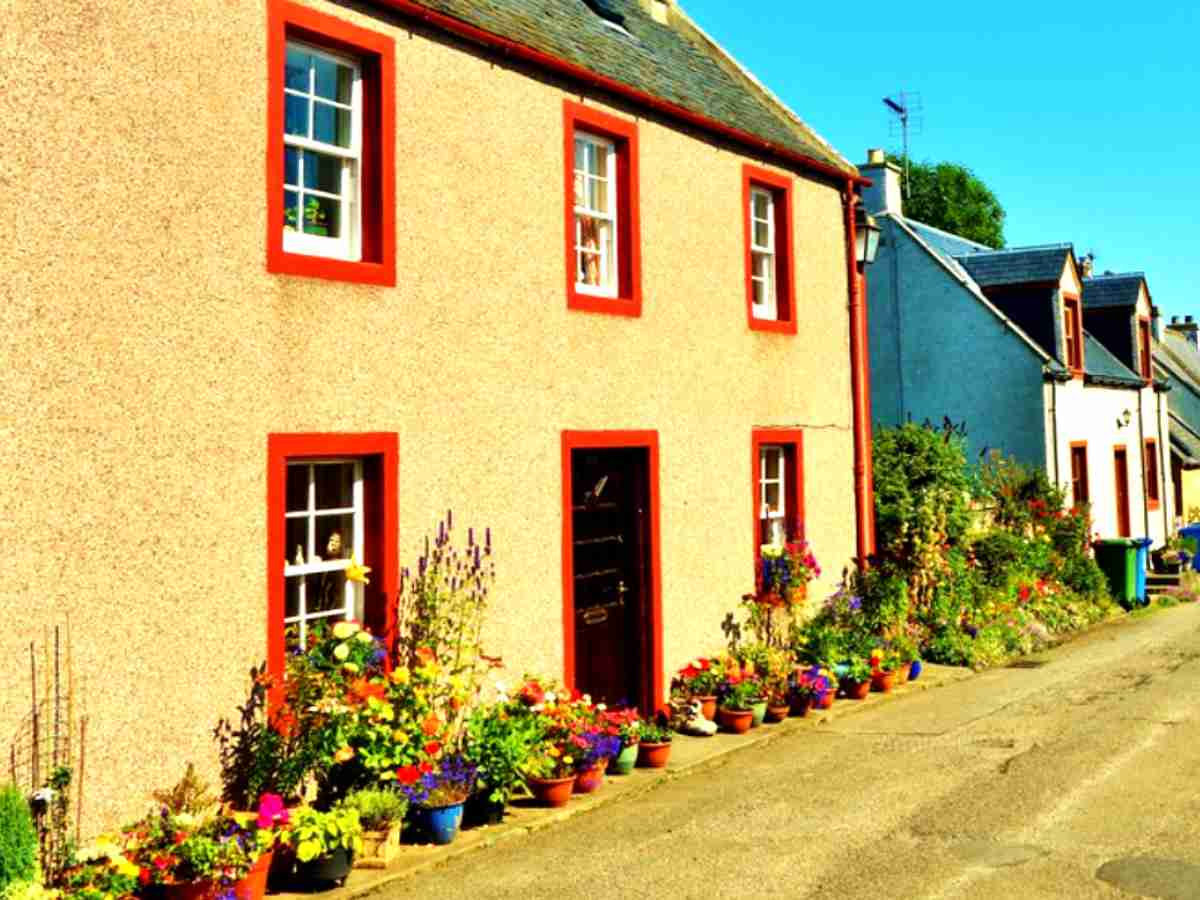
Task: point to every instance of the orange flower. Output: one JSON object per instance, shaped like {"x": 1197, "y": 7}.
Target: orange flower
{"x": 425, "y": 655}
{"x": 431, "y": 725}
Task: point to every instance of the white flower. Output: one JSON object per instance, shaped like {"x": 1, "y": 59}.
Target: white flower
{"x": 550, "y": 698}
{"x": 537, "y": 707}
{"x": 501, "y": 688}
{"x": 341, "y": 651}
{"x": 601, "y": 707}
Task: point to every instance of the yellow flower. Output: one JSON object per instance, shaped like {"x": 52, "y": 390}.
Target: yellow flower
{"x": 400, "y": 736}
{"x": 400, "y": 675}
{"x": 456, "y": 682}
{"x": 568, "y": 760}
{"x": 553, "y": 751}
{"x": 346, "y": 753}
{"x": 363, "y": 637}
{"x": 341, "y": 651}
{"x": 343, "y": 630}
{"x": 355, "y": 572}
{"x": 125, "y": 867}
{"x": 352, "y": 668}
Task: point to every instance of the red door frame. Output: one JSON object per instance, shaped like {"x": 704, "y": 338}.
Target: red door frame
{"x": 1124, "y": 513}
{"x": 604, "y": 440}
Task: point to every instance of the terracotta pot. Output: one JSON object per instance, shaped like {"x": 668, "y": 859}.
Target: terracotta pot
{"x": 551, "y": 791}
{"x": 254, "y": 885}
{"x": 590, "y": 780}
{"x": 379, "y": 848}
{"x": 856, "y": 690}
{"x": 800, "y": 706}
{"x": 192, "y": 890}
{"x": 653, "y": 756}
{"x": 736, "y": 721}
{"x": 882, "y": 682}
{"x": 777, "y": 713}
{"x": 901, "y": 674}
{"x": 250, "y": 887}
{"x": 708, "y": 706}
{"x": 827, "y": 700}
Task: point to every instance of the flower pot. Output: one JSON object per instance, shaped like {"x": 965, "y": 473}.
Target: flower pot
{"x": 439, "y": 823}
{"x": 901, "y": 673}
{"x": 623, "y": 762}
{"x": 479, "y": 810}
{"x": 856, "y": 690}
{"x": 653, "y": 756}
{"x": 333, "y": 867}
{"x": 800, "y": 705}
{"x": 590, "y": 780}
{"x": 736, "y": 721}
{"x": 379, "y": 848}
{"x": 193, "y": 890}
{"x": 708, "y": 706}
{"x": 758, "y": 713}
{"x": 551, "y": 791}
{"x": 283, "y": 862}
{"x": 882, "y": 682}
{"x": 826, "y": 701}
{"x": 254, "y": 884}
{"x": 777, "y": 713}
{"x": 914, "y": 670}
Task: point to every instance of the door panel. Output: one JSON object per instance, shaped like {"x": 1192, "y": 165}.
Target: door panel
{"x": 1121, "y": 467}
{"x": 609, "y": 553}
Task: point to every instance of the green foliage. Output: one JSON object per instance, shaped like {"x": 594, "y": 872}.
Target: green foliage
{"x": 378, "y": 808}
{"x": 858, "y": 669}
{"x": 501, "y": 745}
{"x": 316, "y": 833}
{"x": 997, "y": 553}
{"x": 18, "y": 838}
{"x": 1018, "y": 494}
{"x": 30, "y": 890}
{"x": 950, "y": 196}
{"x": 741, "y": 696}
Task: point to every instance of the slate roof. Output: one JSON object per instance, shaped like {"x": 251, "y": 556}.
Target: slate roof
{"x": 1176, "y": 369}
{"x": 1184, "y": 442}
{"x": 675, "y": 62}
{"x": 1112, "y": 290}
{"x": 1101, "y": 367}
{"x": 1020, "y": 265}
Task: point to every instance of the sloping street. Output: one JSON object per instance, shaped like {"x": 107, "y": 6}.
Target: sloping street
{"x": 1071, "y": 774}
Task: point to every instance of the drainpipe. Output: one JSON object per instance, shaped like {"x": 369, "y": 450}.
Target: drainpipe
{"x": 1054, "y": 424}
{"x": 1163, "y": 461}
{"x": 1142, "y": 450}
{"x": 860, "y": 390}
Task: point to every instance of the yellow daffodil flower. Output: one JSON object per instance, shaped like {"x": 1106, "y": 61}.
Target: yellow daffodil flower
{"x": 363, "y": 637}
{"x": 343, "y": 630}
{"x": 355, "y": 572}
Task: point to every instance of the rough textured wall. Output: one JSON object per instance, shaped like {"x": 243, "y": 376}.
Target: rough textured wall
{"x": 943, "y": 353}
{"x": 151, "y": 355}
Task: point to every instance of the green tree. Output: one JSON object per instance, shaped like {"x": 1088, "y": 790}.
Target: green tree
{"x": 951, "y": 197}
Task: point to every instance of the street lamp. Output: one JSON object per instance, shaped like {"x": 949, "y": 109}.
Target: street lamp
{"x": 866, "y": 236}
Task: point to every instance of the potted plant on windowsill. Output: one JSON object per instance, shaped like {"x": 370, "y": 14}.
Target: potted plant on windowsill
{"x": 381, "y": 814}
{"x": 315, "y": 219}
{"x": 325, "y": 843}
{"x": 654, "y": 747}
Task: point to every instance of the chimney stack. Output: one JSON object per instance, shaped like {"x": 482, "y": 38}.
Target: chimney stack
{"x": 884, "y": 193}
{"x": 1187, "y": 329}
{"x": 1085, "y": 265}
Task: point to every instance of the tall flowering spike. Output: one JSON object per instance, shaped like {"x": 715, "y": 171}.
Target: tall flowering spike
{"x": 449, "y": 518}
{"x": 477, "y": 557}
{"x": 470, "y": 537}
{"x": 487, "y": 537}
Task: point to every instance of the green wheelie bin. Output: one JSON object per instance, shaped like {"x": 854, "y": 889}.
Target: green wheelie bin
{"x": 1117, "y": 558}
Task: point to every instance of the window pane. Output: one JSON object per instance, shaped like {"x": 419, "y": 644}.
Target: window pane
{"x": 335, "y": 537}
{"x": 771, "y": 492}
{"x": 581, "y": 155}
{"x": 592, "y": 237}
{"x": 580, "y": 190}
{"x": 296, "y": 69}
{"x": 291, "y": 165}
{"x": 291, "y": 209}
{"x": 771, "y": 464}
{"x": 335, "y": 485}
{"x": 333, "y": 81}
{"x": 292, "y": 605}
{"x": 762, "y": 234}
{"x": 297, "y": 542}
{"x": 322, "y": 172}
{"x": 599, "y": 160}
{"x": 331, "y": 125}
{"x": 322, "y": 216}
{"x": 762, "y": 266}
{"x": 325, "y": 591}
{"x": 295, "y": 115}
{"x": 761, "y": 294}
{"x": 297, "y": 487}
{"x": 762, "y": 204}
{"x": 598, "y": 195}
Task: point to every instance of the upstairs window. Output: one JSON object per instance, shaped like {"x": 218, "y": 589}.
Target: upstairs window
{"x": 330, "y": 148}
{"x": 602, "y": 218}
{"x": 767, "y": 202}
{"x": 1145, "y": 360}
{"x": 1073, "y": 334}
{"x": 1153, "y": 494}
{"x": 1079, "y": 475}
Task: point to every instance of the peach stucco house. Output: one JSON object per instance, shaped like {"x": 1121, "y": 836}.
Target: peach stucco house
{"x": 285, "y": 281}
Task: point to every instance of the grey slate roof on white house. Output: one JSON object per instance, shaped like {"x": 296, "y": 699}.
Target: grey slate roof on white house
{"x": 1112, "y": 290}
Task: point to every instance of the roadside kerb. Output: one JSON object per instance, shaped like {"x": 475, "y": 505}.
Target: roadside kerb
{"x": 688, "y": 755}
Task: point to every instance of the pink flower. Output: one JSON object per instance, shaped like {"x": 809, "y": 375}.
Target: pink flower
{"x": 271, "y": 811}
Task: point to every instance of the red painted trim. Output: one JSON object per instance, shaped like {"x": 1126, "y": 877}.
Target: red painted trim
{"x": 624, "y": 135}
{"x": 381, "y": 591}
{"x": 542, "y": 60}
{"x": 1150, "y": 467}
{"x": 785, "y": 282}
{"x": 576, "y": 440}
{"x": 1145, "y": 349}
{"x": 377, "y": 55}
{"x": 860, "y": 387}
{"x": 788, "y": 437}
{"x": 1087, "y": 487}
{"x": 1072, "y": 302}
{"x": 1122, "y": 488}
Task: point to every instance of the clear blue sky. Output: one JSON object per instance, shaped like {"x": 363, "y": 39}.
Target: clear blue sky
{"x": 1083, "y": 119}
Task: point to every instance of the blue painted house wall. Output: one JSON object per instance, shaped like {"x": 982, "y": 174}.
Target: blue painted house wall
{"x": 936, "y": 351}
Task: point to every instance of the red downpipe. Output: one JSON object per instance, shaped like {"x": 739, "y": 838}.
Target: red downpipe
{"x": 860, "y": 389}
{"x": 562, "y": 67}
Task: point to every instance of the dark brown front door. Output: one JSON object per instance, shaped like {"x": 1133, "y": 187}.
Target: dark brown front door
{"x": 1121, "y": 465}
{"x": 610, "y": 543}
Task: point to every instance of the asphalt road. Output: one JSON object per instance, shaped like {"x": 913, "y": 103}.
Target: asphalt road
{"x": 1073, "y": 775}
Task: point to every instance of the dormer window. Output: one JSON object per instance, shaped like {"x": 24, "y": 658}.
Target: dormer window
{"x": 1144, "y": 357}
{"x": 1073, "y": 334}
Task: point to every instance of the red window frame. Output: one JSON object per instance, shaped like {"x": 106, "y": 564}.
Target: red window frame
{"x": 785, "y": 287}
{"x": 792, "y": 440}
{"x": 1150, "y": 463}
{"x": 624, "y": 136}
{"x": 1145, "y": 360}
{"x": 1080, "y": 490}
{"x": 379, "y": 452}
{"x": 1073, "y": 334}
{"x": 376, "y": 53}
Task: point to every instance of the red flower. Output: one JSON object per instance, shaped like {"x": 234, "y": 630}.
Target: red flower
{"x": 1024, "y": 593}
{"x": 180, "y": 837}
{"x": 689, "y": 671}
{"x": 143, "y": 876}
{"x": 425, "y": 768}
{"x": 704, "y": 664}
{"x": 425, "y": 655}
{"x": 407, "y": 774}
{"x": 433, "y": 748}
{"x": 532, "y": 693}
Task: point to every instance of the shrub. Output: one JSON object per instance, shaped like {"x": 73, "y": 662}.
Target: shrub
{"x": 997, "y": 552}
{"x": 378, "y": 808}
{"x": 18, "y": 838}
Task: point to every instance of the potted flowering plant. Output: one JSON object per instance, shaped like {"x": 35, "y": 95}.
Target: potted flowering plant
{"x": 325, "y": 843}
{"x": 883, "y": 670}
{"x": 776, "y": 667}
{"x": 594, "y": 747}
{"x": 437, "y": 789}
{"x": 738, "y": 696}
{"x": 500, "y": 742}
{"x": 654, "y": 747}
{"x": 810, "y": 687}
{"x": 381, "y": 814}
{"x": 101, "y": 871}
{"x": 784, "y": 573}
{"x": 626, "y": 726}
{"x": 856, "y": 678}
{"x": 551, "y": 769}
{"x": 699, "y": 680}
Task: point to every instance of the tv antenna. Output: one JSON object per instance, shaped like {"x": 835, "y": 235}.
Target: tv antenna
{"x": 909, "y": 113}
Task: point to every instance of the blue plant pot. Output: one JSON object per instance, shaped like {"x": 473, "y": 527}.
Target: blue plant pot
{"x": 439, "y": 824}
{"x": 915, "y": 671}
